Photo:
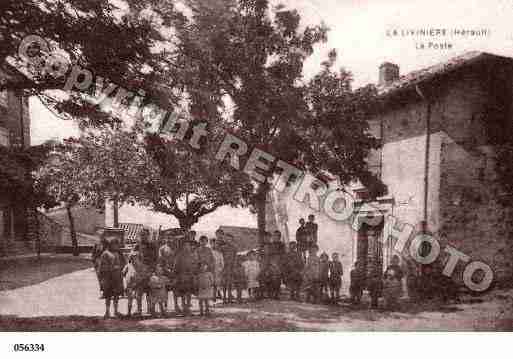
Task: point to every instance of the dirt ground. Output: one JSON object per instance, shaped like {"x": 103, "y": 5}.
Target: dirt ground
{"x": 65, "y": 297}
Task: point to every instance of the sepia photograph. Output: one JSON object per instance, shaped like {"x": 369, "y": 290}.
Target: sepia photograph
{"x": 255, "y": 166}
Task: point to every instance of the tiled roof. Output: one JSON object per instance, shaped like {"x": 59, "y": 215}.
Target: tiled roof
{"x": 416, "y": 77}
{"x": 133, "y": 230}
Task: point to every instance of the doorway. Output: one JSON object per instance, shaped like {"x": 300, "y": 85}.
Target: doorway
{"x": 369, "y": 246}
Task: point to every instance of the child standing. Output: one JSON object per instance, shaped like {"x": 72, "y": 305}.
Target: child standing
{"x": 158, "y": 290}
{"x": 312, "y": 275}
{"x": 205, "y": 289}
{"x": 391, "y": 289}
{"x": 130, "y": 281}
{"x": 252, "y": 271}
{"x": 325, "y": 276}
{"x": 357, "y": 283}
{"x": 239, "y": 278}
{"x": 336, "y": 273}
{"x": 110, "y": 266}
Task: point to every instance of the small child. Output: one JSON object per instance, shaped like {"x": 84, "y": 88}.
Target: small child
{"x": 130, "y": 280}
{"x": 324, "y": 275}
{"x": 239, "y": 277}
{"x": 252, "y": 271}
{"x": 158, "y": 290}
{"x": 335, "y": 282}
{"x": 391, "y": 289}
{"x": 205, "y": 289}
{"x": 357, "y": 283}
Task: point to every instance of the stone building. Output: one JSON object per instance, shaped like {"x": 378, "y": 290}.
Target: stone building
{"x": 438, "y": 127}
{"x": 14, "y": 131}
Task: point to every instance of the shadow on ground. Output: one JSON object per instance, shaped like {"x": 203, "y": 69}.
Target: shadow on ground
{"x": 22, "y": 272}
{"x": 251, "y": 317}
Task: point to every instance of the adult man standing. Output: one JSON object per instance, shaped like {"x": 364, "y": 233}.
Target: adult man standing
{"x": 185, "y": 270}
{"x": 311, "y": 230}
{"x": 229, "y": 257}
{"x": 302, "y": 238}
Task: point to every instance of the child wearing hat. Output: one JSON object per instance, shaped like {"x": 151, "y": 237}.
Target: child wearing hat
{"x": 111, "y": 264}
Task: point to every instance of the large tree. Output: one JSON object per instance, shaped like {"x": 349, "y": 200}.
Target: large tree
{"x": 191, "y": 183}
{"x": 108, "y": 163}
{"x": 254, "y": 54}
{"x": 122, "y": 42}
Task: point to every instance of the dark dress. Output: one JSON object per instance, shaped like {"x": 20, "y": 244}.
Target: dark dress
{"x": 336, "y": 272}
{"x": 205, "y": 256}
{"x": 293, "y": 266}
{"x": 324, "y": 273}
{"x": 185, "y": 269}
{"x": 374, "y": 282}
{"x": 357, "y": 283}
{"x": 110, "y": 273}
{"x": 229, "y": 257}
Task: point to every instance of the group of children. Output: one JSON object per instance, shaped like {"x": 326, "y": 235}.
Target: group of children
{"x": 192, "y": 268}
{"x": 370, "y": 276}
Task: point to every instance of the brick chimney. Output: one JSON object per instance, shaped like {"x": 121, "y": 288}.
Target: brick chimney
{"x": 388, "y": 73}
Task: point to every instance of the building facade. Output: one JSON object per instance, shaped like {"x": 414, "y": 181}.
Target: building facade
{"x": 14, "y": 132}
{"x": 438, "y": 128}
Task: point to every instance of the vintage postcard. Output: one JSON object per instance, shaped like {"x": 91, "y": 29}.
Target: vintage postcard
{"x": 255, "y": 166}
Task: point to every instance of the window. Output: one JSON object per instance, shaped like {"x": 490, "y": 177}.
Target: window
{"x": 4, "y": 98}
{"x": 374, "y": 162}
{"x": 4, "y": 137}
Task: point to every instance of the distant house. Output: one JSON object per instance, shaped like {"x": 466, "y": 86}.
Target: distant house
{"x": 437, "y": 160}
{"x": 133, "y": 232}
{"x": 86, "y": 219}
{"x": 245, "y": 238}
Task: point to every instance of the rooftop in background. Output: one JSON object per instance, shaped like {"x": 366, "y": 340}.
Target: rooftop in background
{"x": 416, "y": 77}
{"x": 245, "y": 238}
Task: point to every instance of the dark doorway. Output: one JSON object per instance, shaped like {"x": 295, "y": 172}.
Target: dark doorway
{"x": 369, "y": 244}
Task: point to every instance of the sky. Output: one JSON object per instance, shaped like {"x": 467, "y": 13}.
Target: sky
{"x": 360, "y": 32}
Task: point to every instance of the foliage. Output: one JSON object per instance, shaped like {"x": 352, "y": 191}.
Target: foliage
{"x": 254, "y": 55}
{"x": 119, "y": 41}
{"x": 191, "y": 183}
{"x": 105, "y": 163}
{"x": 17, "y": 180}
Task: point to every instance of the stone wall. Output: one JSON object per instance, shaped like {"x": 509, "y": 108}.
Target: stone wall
{"x": 473, "y": 219}
{"x": 463, "y": 208}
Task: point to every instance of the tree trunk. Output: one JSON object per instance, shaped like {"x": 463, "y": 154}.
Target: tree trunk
{"x": 74, "y": 241}
{"x": 38, "y": 234}
{"x": 115, "y": 208}
{"x": 260, "y": 204}
{"x": 185, "y": 223}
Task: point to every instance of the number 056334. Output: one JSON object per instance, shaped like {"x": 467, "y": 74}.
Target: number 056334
{"x": 29, "y": 347}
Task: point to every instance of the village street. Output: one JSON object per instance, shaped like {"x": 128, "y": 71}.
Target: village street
{"x": 70, "y": 302}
